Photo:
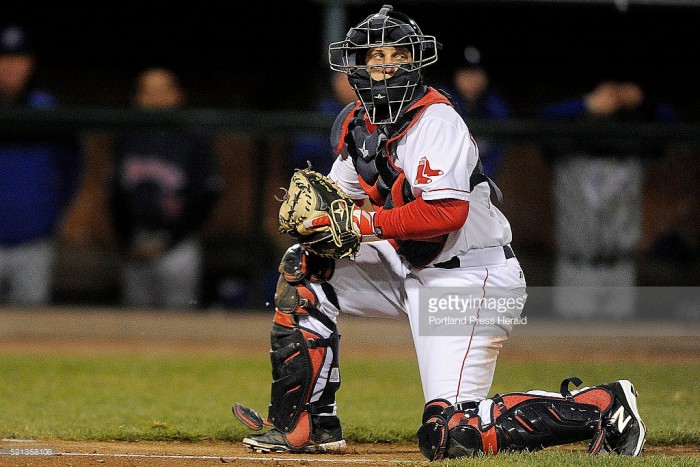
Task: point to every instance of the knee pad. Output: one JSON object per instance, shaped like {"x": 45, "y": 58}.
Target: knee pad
{"x": 441, "y": 435}
{"x": 455, "y": 431}
{"x": 432, "y": 434}
{"x": 466, "y": 440}
{"x": 298, "y": 264}
{"x": 432, "y": 438}
{"x": 294, "y": 298}
{"x": 298, "y": 269}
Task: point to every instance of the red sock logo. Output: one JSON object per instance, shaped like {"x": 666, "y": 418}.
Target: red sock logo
{"x": 425, "y": 172}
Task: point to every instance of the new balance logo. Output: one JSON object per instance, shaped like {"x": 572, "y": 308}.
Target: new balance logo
{"x": 618, "y": 417}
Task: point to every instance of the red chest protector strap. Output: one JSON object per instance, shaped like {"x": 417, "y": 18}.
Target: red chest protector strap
{"x": 373, "y": 151}
{"x": 374, "y": 160}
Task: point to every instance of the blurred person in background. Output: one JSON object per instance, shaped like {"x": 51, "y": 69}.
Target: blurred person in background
{"x": 39, "y": 176}
{"x": 475, "y": 98}
{"x": 598, "y": 199}
{"x": 164, "y": 186}
{"x": 314, "y": 148}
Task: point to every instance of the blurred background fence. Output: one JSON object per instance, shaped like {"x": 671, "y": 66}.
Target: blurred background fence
{"x": 243, "y": 246}
{"x": 254, "y": 79}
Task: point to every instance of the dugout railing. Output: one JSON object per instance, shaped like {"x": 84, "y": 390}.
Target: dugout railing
{"x": 262, "y": 124}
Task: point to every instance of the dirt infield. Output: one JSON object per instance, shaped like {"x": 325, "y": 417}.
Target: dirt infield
{"x": 157, "y": 454}
{"x": 161, "y": 454}
{"x": 134, "y": 331}
{"x": 91, "y": 330}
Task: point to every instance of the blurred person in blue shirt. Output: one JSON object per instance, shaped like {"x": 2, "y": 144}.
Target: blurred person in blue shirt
{"x": 39, "y": 175}
{"x": 475, "y": 98}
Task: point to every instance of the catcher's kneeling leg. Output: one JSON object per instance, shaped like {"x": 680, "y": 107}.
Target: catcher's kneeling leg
{"x": 518, "y": 422}
{"x": 305, "y": 377}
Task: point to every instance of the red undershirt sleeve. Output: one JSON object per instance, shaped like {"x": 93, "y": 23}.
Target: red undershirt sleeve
{"x": 422, "y": 219}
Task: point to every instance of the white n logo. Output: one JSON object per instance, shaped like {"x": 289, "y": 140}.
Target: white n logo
{"x": 617, "y": 418}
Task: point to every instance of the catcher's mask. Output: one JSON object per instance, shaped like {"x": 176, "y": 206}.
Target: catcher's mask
{"x": 386, "y": 99}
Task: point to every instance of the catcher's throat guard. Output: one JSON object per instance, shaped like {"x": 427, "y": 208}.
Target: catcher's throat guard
{"x": 313, "y": 195}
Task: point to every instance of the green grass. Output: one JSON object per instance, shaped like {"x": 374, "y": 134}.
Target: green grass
{"x": 549, "y": 458}
{"x": 109, "y": 397}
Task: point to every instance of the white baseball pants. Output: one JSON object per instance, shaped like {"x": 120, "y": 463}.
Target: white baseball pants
{"x": 378, "y": 284}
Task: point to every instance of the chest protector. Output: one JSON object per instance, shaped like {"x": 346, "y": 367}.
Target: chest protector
{"x": 373, "y": 152}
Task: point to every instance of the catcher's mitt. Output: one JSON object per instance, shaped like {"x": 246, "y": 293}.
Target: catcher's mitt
{"x": 312, "y": 195}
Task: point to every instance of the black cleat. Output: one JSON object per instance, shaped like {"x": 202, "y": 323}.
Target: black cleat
{"x": 327, "y": 437}
{"x": 626, "y": 432}
{"x": 272, "y": 441}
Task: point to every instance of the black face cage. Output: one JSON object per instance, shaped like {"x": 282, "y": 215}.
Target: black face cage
{"x": 384, "y": 100}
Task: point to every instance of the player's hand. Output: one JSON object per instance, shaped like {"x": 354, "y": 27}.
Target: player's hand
{"x": 362, "y": 223}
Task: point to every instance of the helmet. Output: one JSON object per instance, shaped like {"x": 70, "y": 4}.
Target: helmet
{"x": 386, "y": 99}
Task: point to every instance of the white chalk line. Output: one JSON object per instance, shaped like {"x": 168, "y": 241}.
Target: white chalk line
{"x": 340, "y": 460}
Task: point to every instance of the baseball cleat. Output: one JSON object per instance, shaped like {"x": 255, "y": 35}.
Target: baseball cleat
{"x": 272, "y": 441}
{"x": 626, "y": 432}
{"x": 327, "y": 437}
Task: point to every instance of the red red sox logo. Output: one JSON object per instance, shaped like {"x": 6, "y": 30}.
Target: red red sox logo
{"x": 425, "y": 171}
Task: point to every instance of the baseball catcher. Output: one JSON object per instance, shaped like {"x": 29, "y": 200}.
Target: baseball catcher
{"x": 403, "y": 148}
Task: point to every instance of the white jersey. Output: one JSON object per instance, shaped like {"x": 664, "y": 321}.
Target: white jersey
{"x": 438, "y": 155}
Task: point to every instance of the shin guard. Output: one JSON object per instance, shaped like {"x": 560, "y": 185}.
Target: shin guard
{"x": 518, "y": 422}
{"x": 532, "y": 422}
{"x": 297, "y": 358}
{"x": 298, "y": 355}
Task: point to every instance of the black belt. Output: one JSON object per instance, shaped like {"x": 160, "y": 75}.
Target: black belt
{"x": 454, "y": 263}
